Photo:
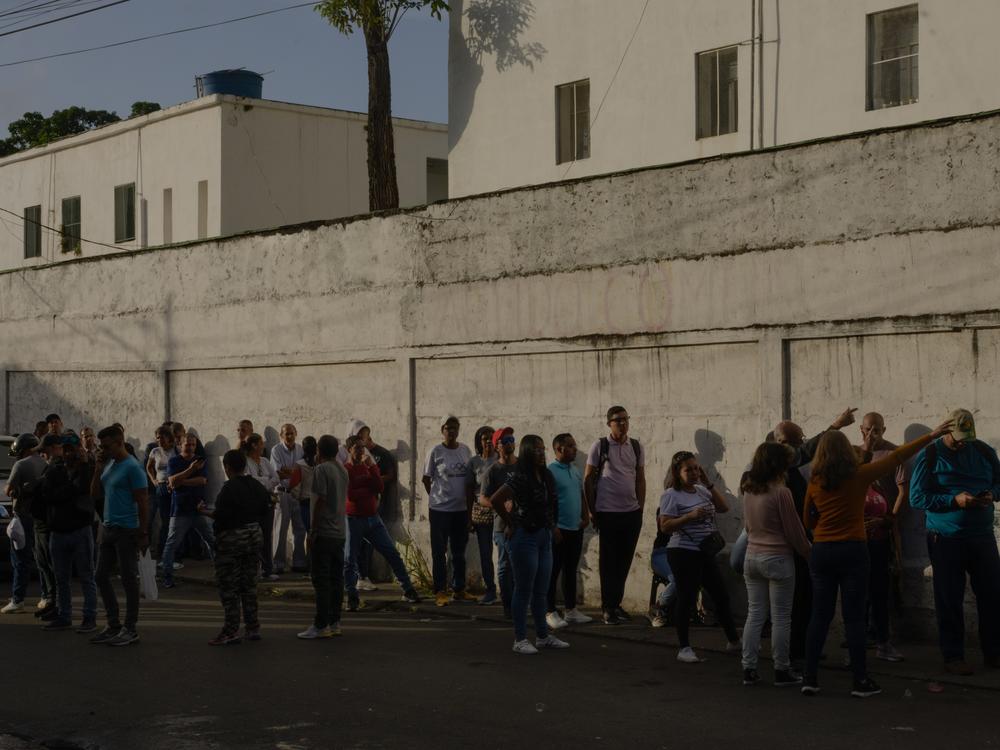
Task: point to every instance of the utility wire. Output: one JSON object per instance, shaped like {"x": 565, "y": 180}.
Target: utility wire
{"x": 156, "y": 36}
{"x": 47, "y": 11}
{"x": 19, "y": 9}
{"x": 81, "y": 240}
{"x": 63, "y": 18}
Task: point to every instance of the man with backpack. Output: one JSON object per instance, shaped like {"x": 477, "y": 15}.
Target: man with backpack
{"x": 956, "y": 479}
{"x": 615, "y": 488}
{"x": 69, "y": 510}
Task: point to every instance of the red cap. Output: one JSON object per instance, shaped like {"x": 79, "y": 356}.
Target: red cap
{"x": 497, "y": 434}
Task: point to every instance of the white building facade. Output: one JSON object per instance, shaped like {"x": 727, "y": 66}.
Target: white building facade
{"x": 218, "y": 165}
{"x": 547, "y": 90}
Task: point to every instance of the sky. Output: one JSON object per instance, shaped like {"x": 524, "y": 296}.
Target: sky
{"x": 304, "y": 60}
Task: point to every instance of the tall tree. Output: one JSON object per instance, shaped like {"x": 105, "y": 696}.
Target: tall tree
{"x": 377, "y": 19}
{"x": 34, "y": 129}
{"x": 143, "y": 108}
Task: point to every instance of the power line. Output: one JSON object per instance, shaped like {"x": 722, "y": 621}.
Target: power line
{"x": 63, "y": 18}
{"x": 60, "y": 232}
{"x": 156, "y": 36}
{"x": 46, "y": 11}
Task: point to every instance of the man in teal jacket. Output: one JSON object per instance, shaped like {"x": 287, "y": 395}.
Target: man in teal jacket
{"x": 956, "y": 480}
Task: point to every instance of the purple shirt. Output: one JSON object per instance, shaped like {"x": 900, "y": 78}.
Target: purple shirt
{"x": 616, "y": 488}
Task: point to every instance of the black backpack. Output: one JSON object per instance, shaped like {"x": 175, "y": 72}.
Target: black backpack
{"x": 605, "y": 449}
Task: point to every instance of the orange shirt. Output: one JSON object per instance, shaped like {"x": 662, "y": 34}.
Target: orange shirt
{"x": 840, "y": 513}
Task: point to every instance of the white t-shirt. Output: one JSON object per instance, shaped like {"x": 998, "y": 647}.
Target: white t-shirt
{"x": 675, "y": 503}
{"x": 161, "y": 459}
{"x": 448, "y": 468}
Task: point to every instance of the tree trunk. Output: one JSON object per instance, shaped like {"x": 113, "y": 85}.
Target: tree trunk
{"x": 383, "y": 192}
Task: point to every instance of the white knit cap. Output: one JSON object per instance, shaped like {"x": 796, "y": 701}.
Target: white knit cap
{"x": 355, "y": 426}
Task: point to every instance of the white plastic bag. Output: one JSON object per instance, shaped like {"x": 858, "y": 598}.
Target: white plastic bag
{"x": 15, "y": 530}
{"x": 147, "y": 577}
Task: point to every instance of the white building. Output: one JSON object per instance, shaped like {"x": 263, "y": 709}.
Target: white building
{"x": 556, "y": 89}
{"x": 214, "y": 166}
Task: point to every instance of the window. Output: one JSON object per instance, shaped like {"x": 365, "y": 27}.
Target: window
{"x": 71, "y": 225}
{"x": 202, "y": 209}
{"x": 33, "y": 232}
{"x": 573, "y": 121}
{"x": 168, "y": 216}
{"x": 437, "y": 180}
{"x": 717, "y": 87}
{"x": 125, "y": 212}
{"x": 892, "y": 58}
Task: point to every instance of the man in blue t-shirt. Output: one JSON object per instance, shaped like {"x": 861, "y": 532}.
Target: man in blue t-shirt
{"x": 956, "y": 480}
{"x": 573, "y": 518}
{"x": 187, "y": 479}
{"x": 122, "y": 482}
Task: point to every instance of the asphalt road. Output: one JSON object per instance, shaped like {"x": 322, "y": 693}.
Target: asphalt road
{"x": 400, "y": 679}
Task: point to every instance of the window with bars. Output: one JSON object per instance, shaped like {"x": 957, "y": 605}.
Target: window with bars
{"x": 892, "y": 58}
{"x": 70, "y": 240}
{"x": 33, "y": 232}
{"x": 717, "y": 92}
{"x": 125, "y": 212}
{"x": 573, "y": 121}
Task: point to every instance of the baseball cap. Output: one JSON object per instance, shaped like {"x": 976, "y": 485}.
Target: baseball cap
{"x": 965, "y": 425}
{"x": 448, "y": 418}
{"x": 497, "y": 434}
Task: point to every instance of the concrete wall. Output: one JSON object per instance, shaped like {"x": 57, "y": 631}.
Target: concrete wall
{"x": 807, "y": 80}
{"x": 710, "y": 299}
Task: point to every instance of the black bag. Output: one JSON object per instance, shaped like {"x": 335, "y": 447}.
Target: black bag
{"x": 712, "y": 544}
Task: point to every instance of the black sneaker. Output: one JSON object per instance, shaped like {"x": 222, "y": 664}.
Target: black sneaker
{"x": 750, "y": 677}
{"x": 105, "y": 635}
{"x": 622, "y": 615}
{"x": 57, "y": 624}
{"x": 786, "y": 678}
{"x": 87, "y": 626}
{"x": 611, "y": 618}
{"x": 49, "y": 615}
{"x": 411, "y": 596}
{"x": 353, "y": 604}
{"x": 865, "y": 688}
{"x": 810, "y": 689}
{"x": 252, "y": 633}
{"x": 125, "y": 637}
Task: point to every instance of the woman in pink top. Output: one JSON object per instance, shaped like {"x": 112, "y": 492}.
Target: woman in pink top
{"x": 774, "y": 532}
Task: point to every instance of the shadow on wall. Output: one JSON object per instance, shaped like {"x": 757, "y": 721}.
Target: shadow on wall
{"x": 494, "y": 30}
{"x": 911, "y": 523}
{"x": 710, "y": 448}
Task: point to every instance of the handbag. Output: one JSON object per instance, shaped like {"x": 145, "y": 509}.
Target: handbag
{"x": 15, "y": 530}
{"x": 147, "y": 577}
{"x": 712, "y": 544}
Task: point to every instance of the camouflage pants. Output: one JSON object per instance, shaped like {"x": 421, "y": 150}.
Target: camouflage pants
{"x": 236, "y": 558}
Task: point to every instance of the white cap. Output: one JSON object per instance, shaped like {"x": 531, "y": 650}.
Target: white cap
{"x": 355, "y": 426}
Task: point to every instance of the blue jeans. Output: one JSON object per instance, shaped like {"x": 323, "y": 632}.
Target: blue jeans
{"x": 449, "y": 530}
{"x": 163, "y": 502}
{"x": 738, "y": 554}
{"x": 504, "y": 577}
{"x": 22, "y": 561}
{"x": 531, "y": 560}
{"x": 838, "y": 566}
{"x": 372, "y": 530}
{"x": 660, "y": 565}
{"x": 484, "y": 537}
{"x": 69, "y": 549}
{"x": 179, "y": 527}
{"x": 770, "y": 588}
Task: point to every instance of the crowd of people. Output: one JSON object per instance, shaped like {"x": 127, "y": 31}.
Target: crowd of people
{"x": 820, "y": 519}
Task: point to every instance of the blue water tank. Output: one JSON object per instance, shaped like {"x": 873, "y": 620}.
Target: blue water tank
{"x": 239, "y": 82}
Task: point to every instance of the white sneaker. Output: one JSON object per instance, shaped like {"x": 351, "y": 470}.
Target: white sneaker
{"x": 576, "y": 617}
{"x": 312, "y": 633}
{"x": 524, "y": 647}
{"x": 365, "y": 584}
{"x": 688, "y": 656}
{"x": 554, "y": 621}
{"x": 44, "y": 604}
{"x": 272, "y": 577}
{"x": 12, "y": 607}
{"x": 734, "y": 647}
{"x": 178, "y": 566}
{"x": 550, "y": 641}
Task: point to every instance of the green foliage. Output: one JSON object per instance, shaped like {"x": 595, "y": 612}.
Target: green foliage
{"x": 34, "y": 129}
{"x": 143, "y": 108}
{"x": 348, "y": 15}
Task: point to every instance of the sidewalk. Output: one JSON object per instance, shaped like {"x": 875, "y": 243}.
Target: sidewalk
{"x": 923, "y": 662}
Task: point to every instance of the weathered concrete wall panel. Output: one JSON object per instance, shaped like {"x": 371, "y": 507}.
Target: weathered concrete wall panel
{"x": 88, "y": 398}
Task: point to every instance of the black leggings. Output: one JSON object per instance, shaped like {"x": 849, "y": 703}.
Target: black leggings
{"x": 692, "y": 570}
{"x": 565, "y": 559}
